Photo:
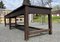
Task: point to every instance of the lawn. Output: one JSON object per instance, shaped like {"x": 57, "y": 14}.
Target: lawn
{"x": 55, "y": 19}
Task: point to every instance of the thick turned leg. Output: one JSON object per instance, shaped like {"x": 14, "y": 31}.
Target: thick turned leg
{"x": 5, "y": 20}
{"x": 50, "y": 23}
{"x": 10, "y": 23}
{"x": 26, "y": 23}
{"x": 15, "y": 22}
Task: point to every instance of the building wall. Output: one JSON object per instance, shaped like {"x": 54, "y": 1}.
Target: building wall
{"x": 55, "y": 14}
{"x": 3, "y": 12}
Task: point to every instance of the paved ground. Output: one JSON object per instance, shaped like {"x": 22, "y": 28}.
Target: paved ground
{"x": 15, "y": 35}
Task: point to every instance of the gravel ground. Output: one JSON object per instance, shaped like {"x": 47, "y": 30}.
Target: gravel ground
{"x": 15, "y": 35}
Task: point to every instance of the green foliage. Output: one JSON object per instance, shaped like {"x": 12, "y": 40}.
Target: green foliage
{"x": 1, "y": 5}
{"x": 55, "y": 19}
{"x": 37, "y": 19}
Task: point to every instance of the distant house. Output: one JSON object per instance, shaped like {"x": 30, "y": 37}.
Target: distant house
{"x": 56, "y": 13}
{"x": 3, "y": 12}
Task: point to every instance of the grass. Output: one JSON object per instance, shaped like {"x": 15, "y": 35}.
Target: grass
{"x": 55, "y": 19}
{"x": 37, "y": 19}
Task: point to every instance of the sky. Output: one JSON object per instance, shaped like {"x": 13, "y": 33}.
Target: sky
{"x": 13, "y": 4}
{"x": 55, "y": 2}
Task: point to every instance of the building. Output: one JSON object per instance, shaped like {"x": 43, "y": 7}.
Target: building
{"x": 56, "y": 13}
{"x": 3, "y": 12}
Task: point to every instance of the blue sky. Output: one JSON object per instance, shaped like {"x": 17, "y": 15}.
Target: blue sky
{"x": 55, "y": 2}
{"x": 13, "y": 4}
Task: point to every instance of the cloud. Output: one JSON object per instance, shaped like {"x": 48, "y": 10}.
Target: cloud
{"x": 13, "y": 4}
{"x": 56, "y": 2}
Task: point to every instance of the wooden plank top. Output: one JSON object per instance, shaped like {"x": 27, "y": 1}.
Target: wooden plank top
{"x": 19, "y": 9}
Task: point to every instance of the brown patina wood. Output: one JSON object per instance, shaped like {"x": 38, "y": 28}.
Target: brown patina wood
{"x": 27, "y": 9}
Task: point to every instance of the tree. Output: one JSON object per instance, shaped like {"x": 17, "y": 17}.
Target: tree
{"x": 41, "y": 2}
{"x": 2, "y": 5}
{"x": 56, "y": 7}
